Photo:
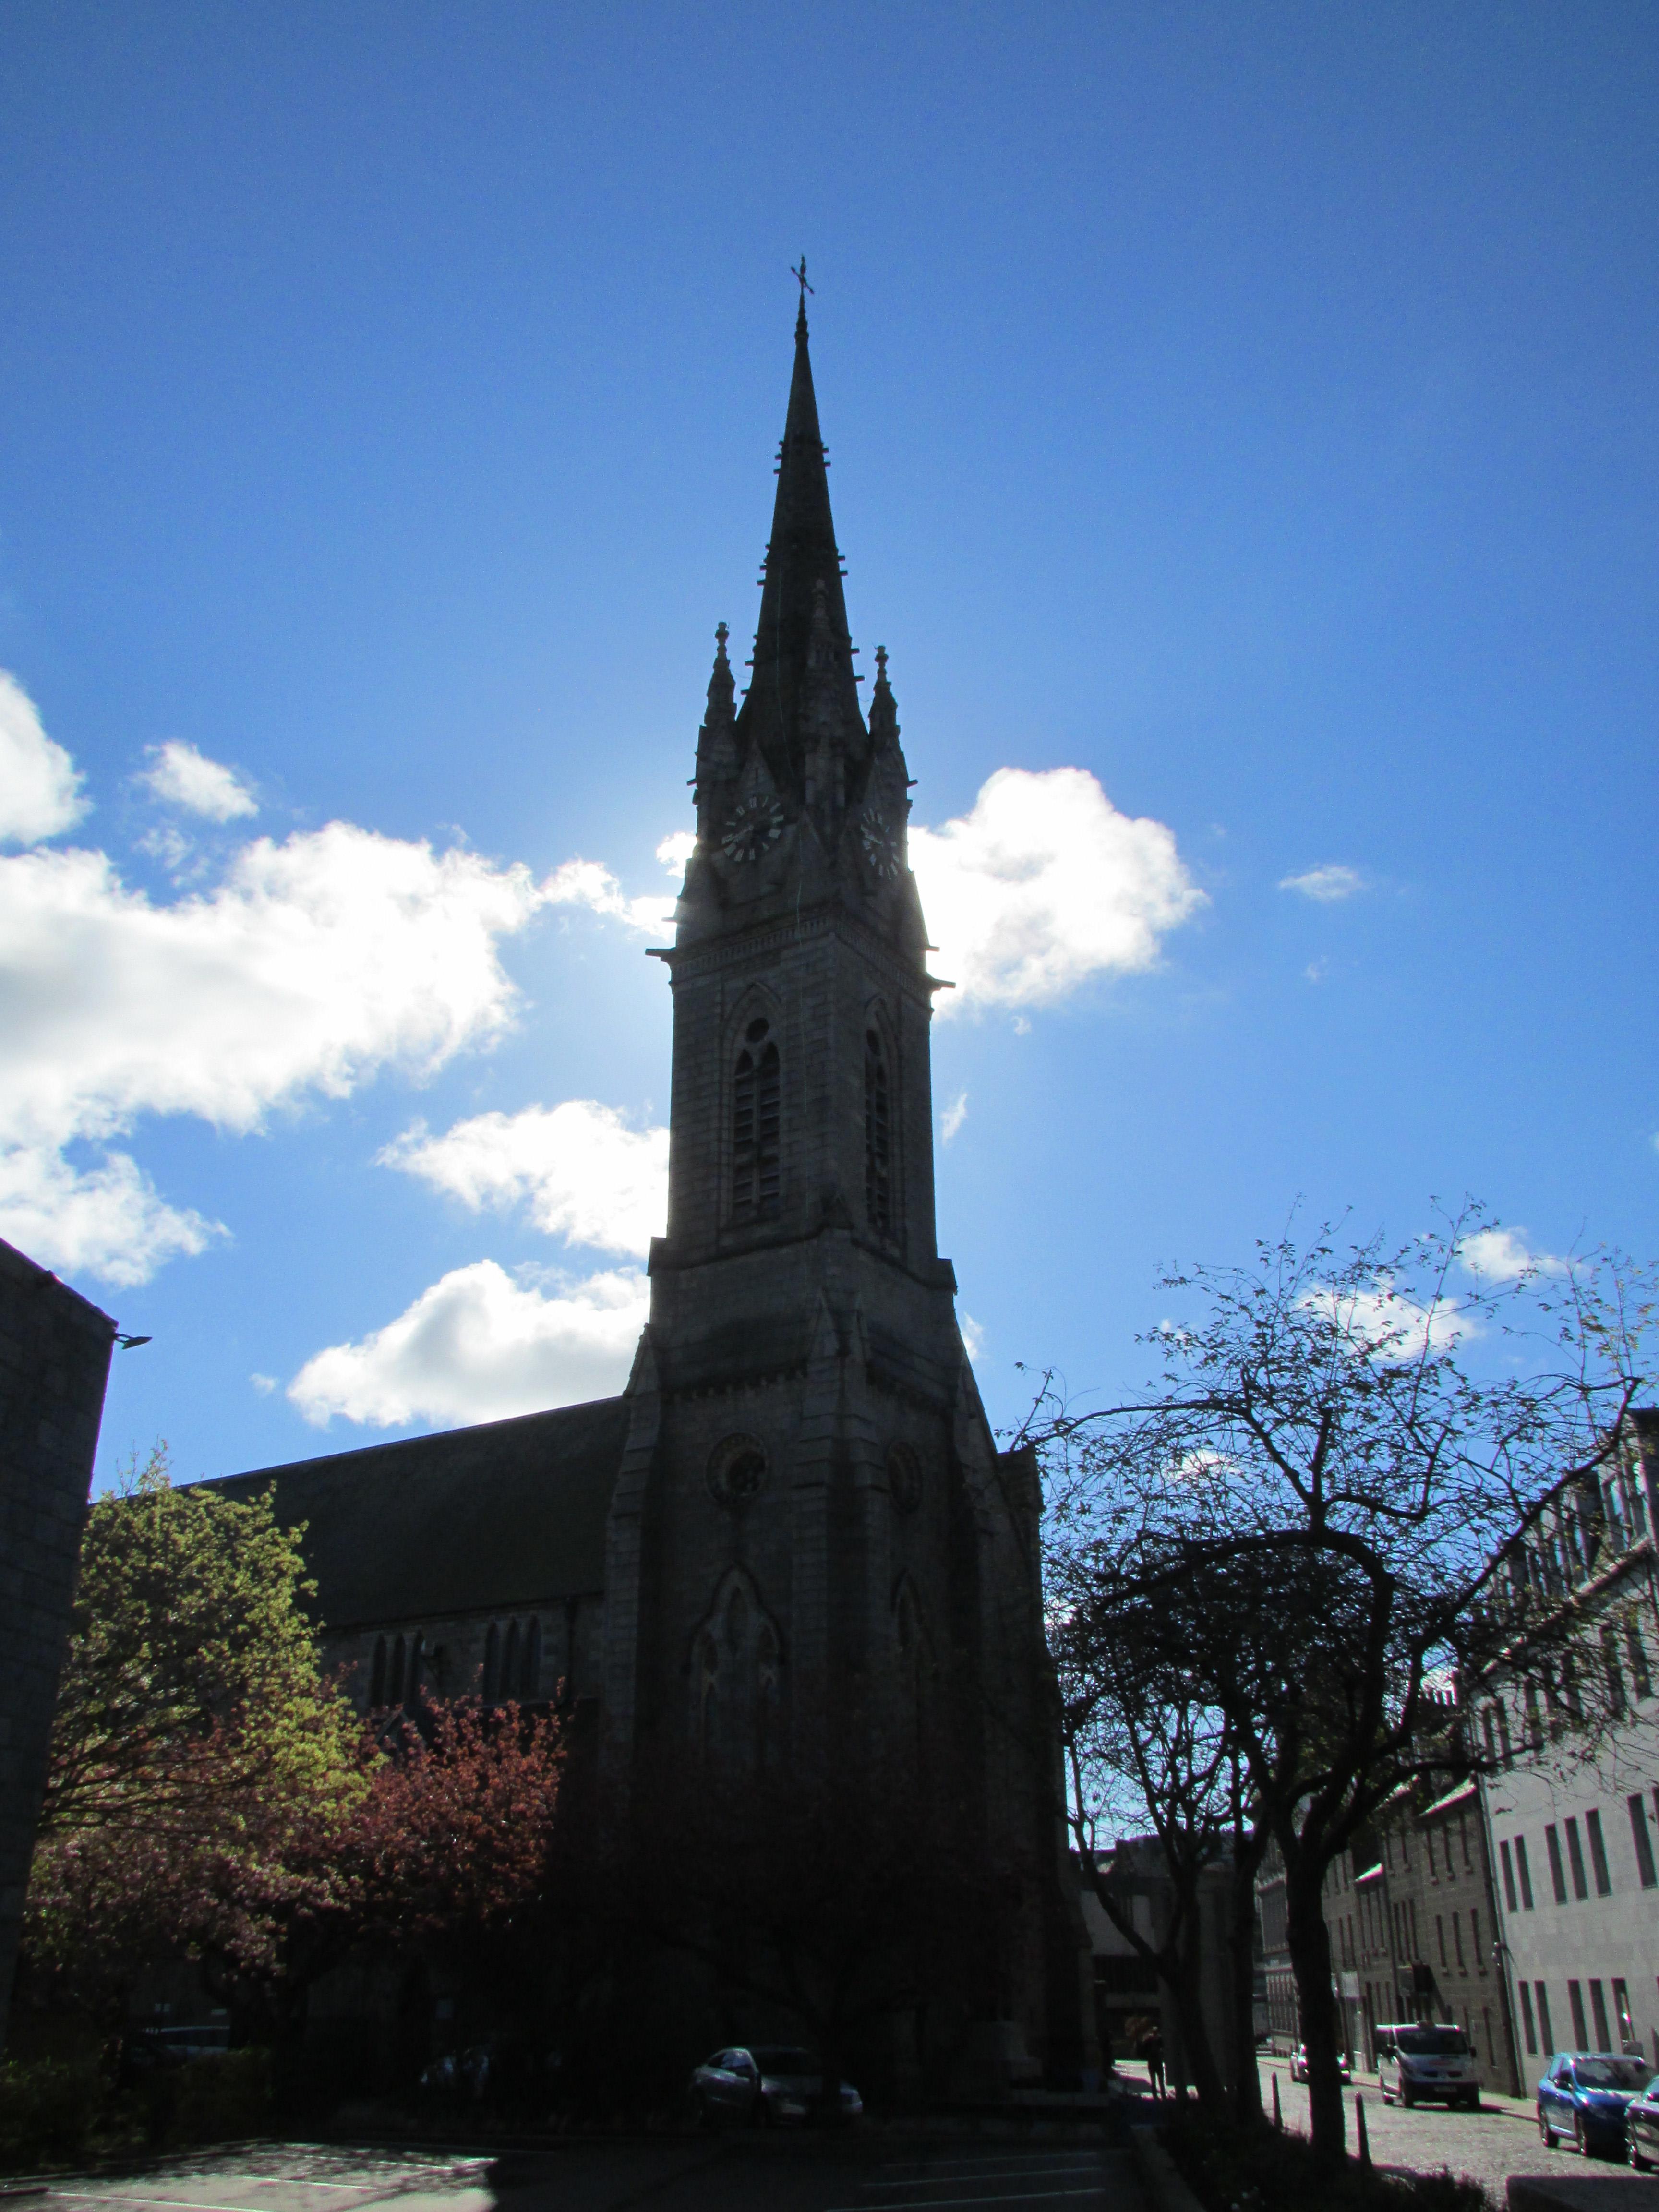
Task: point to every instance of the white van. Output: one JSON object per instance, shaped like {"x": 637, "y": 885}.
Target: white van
{"x": 1417, "y": 2060}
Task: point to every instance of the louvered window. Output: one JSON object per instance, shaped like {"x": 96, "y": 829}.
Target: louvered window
{"x": 877, "y": 1138}
{"x": 755, "y": 1128}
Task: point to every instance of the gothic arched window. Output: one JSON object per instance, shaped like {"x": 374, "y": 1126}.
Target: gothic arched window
{"x": 510, "y": 1662}
{"x": 394, "y": 1680}
{"x": 532, "y": 1660}
{"x": 377, "y": 1678}
{"x": 878, "y": 1136}
{"x": 737, "y": 1680}
{"x": 416, "y": 1657}
{"x": 492, "y": 1666}
{"x": 756, "y": 1113}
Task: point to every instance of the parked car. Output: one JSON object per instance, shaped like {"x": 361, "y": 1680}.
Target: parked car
{"x": 1299, "y": 2063}
{"x": 1420, "y": 2060}
{"x": 1586, "y": 2093}
{"x": 1642, "y": 2127}
{"x": 771, "y": 2082}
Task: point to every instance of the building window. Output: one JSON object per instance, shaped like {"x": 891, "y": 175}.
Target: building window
{"x": 1614, "y": 1673}
{"x": 416, "y": 1662}
{"x": 1428, "y": 1846}
{"x": 532, "y": 1660}
{"x": 1599, "y": 2017}
{"x": 1463, "y": 1843}
{"x": 756, "y": 1112}
{"x": 1641, "y": 1681}
{"x": 1509, "y": 1877}
{"x": 492, "y": 1665}
{"x": 1598, "y": 1851}
{"x": 1475, "y": 1937}
{"x": 878, "y": 1136}
{"x": 1504, "y": 1734}
{"x": 1628, "y": 2039}
{"x": 1580, "y": 2032}
{"x": 1546, "y": 2032}
{"x": 510, "y": 1661}
{"x": 1524, "y": 1871}
{"x": 1639, "y": 1837}
{"x": 1457, "y": 1941}
{"x": 1576, "y": 1858}
{"x": 1440, "y": 1937}
{"x": 1526, "y": 2021}
{"x": 394, "y": 1679}
{"x": 1558, "y": 1872}
{"x": 377, "y": 1693}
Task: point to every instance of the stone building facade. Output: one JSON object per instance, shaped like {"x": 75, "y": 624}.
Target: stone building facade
{"x": 54, "y": 1363}
{"x": 1573, "y": 1809}
{"x": 793, "y": 1535}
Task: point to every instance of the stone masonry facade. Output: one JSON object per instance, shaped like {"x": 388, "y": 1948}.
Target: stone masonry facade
{"x": 54, "y": 1363}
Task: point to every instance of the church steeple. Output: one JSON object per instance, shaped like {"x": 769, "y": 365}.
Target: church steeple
{"x": 802, "y": 556}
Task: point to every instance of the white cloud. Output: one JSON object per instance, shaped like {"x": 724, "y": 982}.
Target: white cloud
{"x": 1315, "y": 971}
{"x": 675, "y": 850}
{"x": 953, "y": 1117}
{"x": 1502, "y": 1256}
{"x": 108, "y": 1221}
{"x": 1327, "y": 884}
{"x": 477, "y": 1346}
{"x": 973, "y": 1336}
{"x": 313, "y": 964}
{"x": 590, "y": 883}
{"x": 1388, "y": 1322}
{"x": 584, "y": 1173}
{"x": 39, "y": 785}
{"x": 264, "y": 1384}
{"x": 183, "y": 777}
{"x": 1044, "y": 884}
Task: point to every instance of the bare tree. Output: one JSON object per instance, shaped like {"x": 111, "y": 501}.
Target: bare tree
{"x": 1302, "y": 1519}
{"x": 1136, "y": 1743}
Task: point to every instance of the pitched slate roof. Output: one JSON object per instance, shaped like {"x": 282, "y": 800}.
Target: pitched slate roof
{"x": 504, "y": 1514}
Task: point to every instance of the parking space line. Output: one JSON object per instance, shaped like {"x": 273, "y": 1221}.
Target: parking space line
{"x": 1018, "y": 2197}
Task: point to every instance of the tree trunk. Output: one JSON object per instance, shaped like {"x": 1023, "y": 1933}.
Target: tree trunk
{"x": 1241, "y": 1981}
{"x": 1185, "y": 1987}
{"x": 1309, "y": 1944}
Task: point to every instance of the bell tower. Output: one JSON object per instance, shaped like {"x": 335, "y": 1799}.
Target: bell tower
{"x": 813, "y": 1543}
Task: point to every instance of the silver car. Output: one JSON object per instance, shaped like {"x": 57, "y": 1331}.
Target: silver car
{"x": 764, "y": 2085}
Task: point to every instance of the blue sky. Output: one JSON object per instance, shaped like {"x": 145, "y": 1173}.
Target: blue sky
{"x": 1251, "y": 407}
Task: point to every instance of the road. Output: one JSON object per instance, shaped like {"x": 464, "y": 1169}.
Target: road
{"x": 729, "y": 2174}
{"x": 1489, "y": 2145}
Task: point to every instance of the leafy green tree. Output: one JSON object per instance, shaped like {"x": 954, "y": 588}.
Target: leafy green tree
{"x": 199, "y": 1750}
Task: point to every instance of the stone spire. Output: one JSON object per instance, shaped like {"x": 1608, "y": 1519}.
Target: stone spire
{"x": 801, "y": 557}
{"x": 716, "y": 751}
{"x": 883, "y": 712}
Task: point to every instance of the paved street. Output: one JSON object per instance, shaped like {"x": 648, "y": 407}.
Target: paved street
{"x": 735, "y": 2173}
{"x": 1489, "y": 2145}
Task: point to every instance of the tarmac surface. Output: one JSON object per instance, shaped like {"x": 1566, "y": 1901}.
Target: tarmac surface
{"x": 1500, "y": 2140}
{"x": 736, "y": 2173}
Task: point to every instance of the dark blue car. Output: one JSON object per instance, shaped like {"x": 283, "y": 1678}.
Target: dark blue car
{"x": 1583, "y": 2095}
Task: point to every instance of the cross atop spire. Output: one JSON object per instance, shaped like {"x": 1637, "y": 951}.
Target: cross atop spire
{"x": 800, "y": 276}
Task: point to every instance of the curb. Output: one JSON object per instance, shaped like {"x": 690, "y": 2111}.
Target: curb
{"x": 1165, "y": 2189}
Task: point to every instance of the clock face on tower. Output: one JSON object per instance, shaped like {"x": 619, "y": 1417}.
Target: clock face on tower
{"x": 880, "y": 845}
{"x": 752, "y": 826}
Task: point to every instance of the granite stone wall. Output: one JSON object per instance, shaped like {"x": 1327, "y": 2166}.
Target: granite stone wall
{"x": 54, "y": 1363}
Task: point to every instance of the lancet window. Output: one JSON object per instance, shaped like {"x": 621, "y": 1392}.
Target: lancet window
{"x": 736, "y": 1677}
{"x": 513, "y": 1661}
{"x": 756, "y": 1121}
{"x": 878, "y": 1136}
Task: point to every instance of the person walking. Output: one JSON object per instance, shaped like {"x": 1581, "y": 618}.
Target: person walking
{"x": 1151, "y": 2050}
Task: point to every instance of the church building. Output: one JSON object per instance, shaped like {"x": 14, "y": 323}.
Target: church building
{"x": 793, "y": 1526}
